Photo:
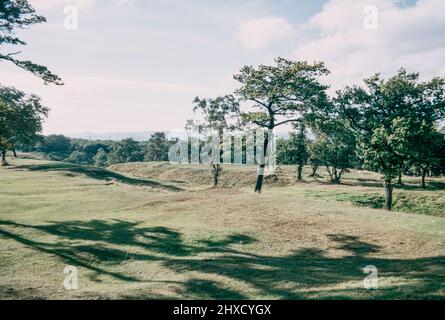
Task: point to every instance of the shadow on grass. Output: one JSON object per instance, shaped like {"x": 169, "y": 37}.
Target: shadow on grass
{"x": 105, "y": 246}
{"x": 98, "y": 173}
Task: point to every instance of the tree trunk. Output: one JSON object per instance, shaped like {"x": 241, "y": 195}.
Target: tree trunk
{"x": 424, "y": 172}
{"x": 259, "y": 181}
{"x": 15, "y": 153}
{"x": 388, "y": 198}
{"x": 299, "y": 172}
{"x": 4, "y": 163}
{"x": 330, "y": 173}
{"x": 337, "y": 176}
{"x": 215, "y": 171}
{"x": 314, "y": 172}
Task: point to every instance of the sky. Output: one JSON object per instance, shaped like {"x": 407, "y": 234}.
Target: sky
{"x": 136, "y": 65}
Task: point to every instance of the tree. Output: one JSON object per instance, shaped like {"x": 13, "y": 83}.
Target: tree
{"x": 78, "y": 157}
{"x": 101, "y": 158}
{"x": 335, "y": 148}
{"x": 216, "y": 114}
{"x": 294, "y": 150}
{"x": 56, "y": 143}
{"x": 282, "y": 93}
{"x": 21, "y": 118}
{"x": 92, "y": 148}
{"x": 157, "y": 148}
{"x": 425, "y": 147}
{"x": 127, "y": 150}
{"x": 380, "y": 112}
{"x": 384, "y": 152}
{"x": 19, "y": 14}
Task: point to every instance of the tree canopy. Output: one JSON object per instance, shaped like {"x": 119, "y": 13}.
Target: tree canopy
{"x": 385, "y": 113}
{"x": 282, "y": 93}
{"x": 21, "y": 118}
{"x": 19, "y": 14}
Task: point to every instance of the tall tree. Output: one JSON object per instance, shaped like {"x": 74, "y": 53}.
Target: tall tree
{"x": 380, "y": 112}
{"x": 216, "y": 114}
{"x": 19, "y": 14}
{"x": 21, "y": 118}
{"x": 281, "y": 93}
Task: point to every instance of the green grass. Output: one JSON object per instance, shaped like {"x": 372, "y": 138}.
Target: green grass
{"x": 71, "y": 170}
{"x": 148, "y": 240}
{"x": 418, "y": 202}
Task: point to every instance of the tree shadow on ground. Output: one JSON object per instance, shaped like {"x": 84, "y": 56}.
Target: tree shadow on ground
{"x": 102, "y": 246}
{"x": 98, "y": 173}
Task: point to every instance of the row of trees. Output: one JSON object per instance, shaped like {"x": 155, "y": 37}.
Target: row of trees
{"x": 387, "y": 125}
{"x": 101, "y": 153}
{"x": 333, "y": 146}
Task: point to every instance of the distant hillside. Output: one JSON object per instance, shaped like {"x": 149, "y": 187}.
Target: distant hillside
{"x": 138, "y": 135}
{"x": 113, "y": 136}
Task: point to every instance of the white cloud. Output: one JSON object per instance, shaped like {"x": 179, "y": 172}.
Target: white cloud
{"x": 263, "y": 32}
{"x": 108, "y": 104}
{"x": 410, "y": 37}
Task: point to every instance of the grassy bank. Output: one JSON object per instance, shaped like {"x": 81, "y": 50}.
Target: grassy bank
{"x": 360, "y": 188}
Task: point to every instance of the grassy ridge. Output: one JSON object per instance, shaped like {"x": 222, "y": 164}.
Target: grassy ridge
{"x": 96, "y": 173}
{"x": 361, "y": 188}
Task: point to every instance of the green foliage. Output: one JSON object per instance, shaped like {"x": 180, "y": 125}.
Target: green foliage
{"x": 55, "y": 143}
{"x": 288, "y": 91}
{"x": 386, "y": 113}
{"x": 385, "y": 149}
{"x": 92, "y": 148}
{"x": 19, "y": 14}
{"x": 78, "y": 157}
{"x": 21, "y": 118}
{"x": 294, "y": 150}
{"x": 281, "y": 93}
{"x": 426, "y": 147}
{"x": 127, "y": 150}
{"x": 334, "y": 148}
{"x": 157, "y": 147}
{"x": 101, "y": 158}
{"x": 216, "y": 114}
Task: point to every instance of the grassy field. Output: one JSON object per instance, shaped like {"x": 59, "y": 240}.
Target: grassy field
{"x": 159, "y": 231}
